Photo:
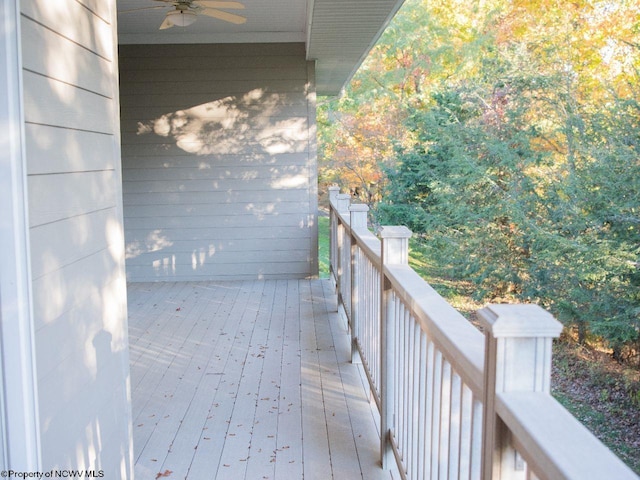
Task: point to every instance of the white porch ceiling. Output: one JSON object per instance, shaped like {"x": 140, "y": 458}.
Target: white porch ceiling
{"x": 338, "y": 33}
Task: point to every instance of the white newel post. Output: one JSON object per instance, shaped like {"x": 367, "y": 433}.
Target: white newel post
{"x": 334, "y": 190}
{"x": 343, "y": 200}
{"x": 518, "y": 342}
{"x": 395, "y": 251}
{"x": 358, "y": 213}
{"x": 342, "y": 207}
{"x": 358, "y": 221}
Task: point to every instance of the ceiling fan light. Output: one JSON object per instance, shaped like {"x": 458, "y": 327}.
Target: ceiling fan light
{"x": 181, "y": 18}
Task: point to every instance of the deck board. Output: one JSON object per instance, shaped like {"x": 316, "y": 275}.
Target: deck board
{"x": 247, "y": 380}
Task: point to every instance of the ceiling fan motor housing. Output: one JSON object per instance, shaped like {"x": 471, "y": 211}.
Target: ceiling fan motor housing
{"x": 181, "y": 17}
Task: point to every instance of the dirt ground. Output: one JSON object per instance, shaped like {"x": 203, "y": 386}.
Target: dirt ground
{"x": 603, "y": 394}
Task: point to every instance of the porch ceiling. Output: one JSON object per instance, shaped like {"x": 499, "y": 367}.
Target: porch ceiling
{"x": 338, "y": 33}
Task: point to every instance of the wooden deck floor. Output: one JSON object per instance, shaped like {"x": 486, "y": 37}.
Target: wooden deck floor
{"x": 246, "y": 380}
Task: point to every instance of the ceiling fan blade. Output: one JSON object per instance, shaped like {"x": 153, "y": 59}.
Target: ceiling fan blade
{"x": 167, "y": 23}
{"x": 227, "y": 17}
{"x": 225, "y": 5}
{"x": 142, "y": 8}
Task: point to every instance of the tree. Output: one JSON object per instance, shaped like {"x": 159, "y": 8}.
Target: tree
{"x": 507, "y": 136}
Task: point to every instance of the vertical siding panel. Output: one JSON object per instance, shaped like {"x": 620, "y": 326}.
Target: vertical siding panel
{"x": 77, "y": 245}
{"x": 227, "y": 133}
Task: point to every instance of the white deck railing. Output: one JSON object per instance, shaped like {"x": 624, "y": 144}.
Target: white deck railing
{"x": 454, "y": 403}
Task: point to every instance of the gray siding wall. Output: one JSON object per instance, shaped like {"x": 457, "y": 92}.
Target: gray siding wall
{"x": 76, "y": 234}
{"x": 219, "y": 161}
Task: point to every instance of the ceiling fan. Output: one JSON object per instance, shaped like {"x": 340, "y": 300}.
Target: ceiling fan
{"x": 186, "y": 11}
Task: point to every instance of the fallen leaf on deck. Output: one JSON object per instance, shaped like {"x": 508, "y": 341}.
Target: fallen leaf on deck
{"x": 166, "y": 473}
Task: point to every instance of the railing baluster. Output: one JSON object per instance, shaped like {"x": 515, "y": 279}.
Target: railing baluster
{"x": 435, "y": 414}
{"x": 387, "y": 388}
{"x": 395, "y": 251}
{"x": 455, "y": 426}
{"x": 397, "y": 424}
{"x": 415, "y": 391}
{"x": 476, "y": 440}
{"x": 466, "y": 423}
{"x": 422, "y": 406}
{"x": 402, "y": 378}
{"x": 430, "y": 388}
{"x": 445, "y": 418}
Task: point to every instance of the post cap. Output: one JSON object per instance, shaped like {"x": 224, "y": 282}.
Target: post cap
{"x": 359, "y": 207}
{"x": 394, "y": 232}
{"x": 519, "y": 321}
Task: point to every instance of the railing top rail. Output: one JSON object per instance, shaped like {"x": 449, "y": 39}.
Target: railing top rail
{"x": 553, "y": 442}
{"x": 369, "y": 244}
{"x": 460, "y": 342}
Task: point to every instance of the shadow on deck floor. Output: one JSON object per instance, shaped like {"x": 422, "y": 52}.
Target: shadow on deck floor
{"x": 252, "y": 380}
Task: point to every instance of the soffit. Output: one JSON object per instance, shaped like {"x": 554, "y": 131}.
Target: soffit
{"x": 341, "y": 35}
{"x": 338, "y": 34}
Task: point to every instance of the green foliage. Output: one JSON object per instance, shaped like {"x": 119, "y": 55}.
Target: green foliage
{"x": 475, "y": 191}
{"x": 507, "y": 137}
{"x": 456, "y": 188}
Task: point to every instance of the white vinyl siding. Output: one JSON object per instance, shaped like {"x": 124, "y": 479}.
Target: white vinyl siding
{"x": 76, "y": 234}
{"x": 219, "y": 161}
